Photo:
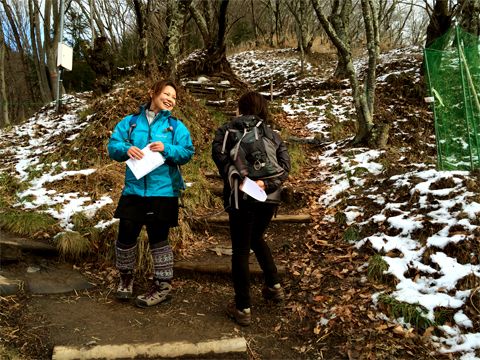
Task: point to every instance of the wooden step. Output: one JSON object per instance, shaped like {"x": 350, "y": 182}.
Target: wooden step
{"x": 8, "y": 243}
{"x": 205, "y": 84}
{"x": 220, "y": 90}
{"x": 216, "y": 103}
{"x": 296, "y": 218}
{"x": 211, "y": 349}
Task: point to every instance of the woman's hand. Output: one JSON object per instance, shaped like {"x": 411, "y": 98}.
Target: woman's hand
{"x": 261, "y": 184}
{"x": 135, "y": 153}
{"x": 157, "y": 146}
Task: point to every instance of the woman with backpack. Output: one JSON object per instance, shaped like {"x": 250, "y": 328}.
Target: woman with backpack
{"x": 247, "y": 148}
{"x": 151, "y": 200}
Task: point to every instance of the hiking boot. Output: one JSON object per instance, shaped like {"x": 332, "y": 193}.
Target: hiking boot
{"x": 158, "y": 292}
{"x": 242, "y": 317}
{"x": 125, "y": 287}
{"x": 274, "y": 294}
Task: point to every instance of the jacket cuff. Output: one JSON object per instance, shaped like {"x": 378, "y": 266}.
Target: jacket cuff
{"x": 166, "y": 151}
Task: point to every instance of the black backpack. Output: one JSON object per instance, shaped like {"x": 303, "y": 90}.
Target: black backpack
{"x": 254, "y": 152}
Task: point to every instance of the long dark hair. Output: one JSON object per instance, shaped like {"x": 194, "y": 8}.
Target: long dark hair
{"x": 253, "y": 103}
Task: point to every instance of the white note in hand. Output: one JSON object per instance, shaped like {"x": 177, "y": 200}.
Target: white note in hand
{"x": 251, "y": 188}
{"x": 149, "y": 162}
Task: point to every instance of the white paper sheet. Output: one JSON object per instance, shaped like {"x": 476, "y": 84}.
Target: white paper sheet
{"x": 251, "y": 188}
{"x": 149, "y": 162}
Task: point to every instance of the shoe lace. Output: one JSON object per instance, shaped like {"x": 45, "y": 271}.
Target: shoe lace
{"x": 125, "y": 281}
{"x": 155, "y": 290}
{"x": 152, "y": 291}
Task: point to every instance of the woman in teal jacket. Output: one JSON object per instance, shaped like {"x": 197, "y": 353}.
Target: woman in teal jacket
{"x": 153, "y": 199}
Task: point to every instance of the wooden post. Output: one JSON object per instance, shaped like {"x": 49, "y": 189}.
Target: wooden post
{"x": 271, "y": 88}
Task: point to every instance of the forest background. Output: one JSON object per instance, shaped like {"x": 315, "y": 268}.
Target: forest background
{"x": 113, "y": 38}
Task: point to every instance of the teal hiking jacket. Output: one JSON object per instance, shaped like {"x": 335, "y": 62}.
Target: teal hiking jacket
{"x": 165, "y": 180}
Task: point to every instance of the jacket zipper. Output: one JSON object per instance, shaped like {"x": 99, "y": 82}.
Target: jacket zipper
{"x": 149, "y": 138}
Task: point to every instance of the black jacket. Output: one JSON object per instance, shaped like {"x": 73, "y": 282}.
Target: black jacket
{"x": 224, "y": 162}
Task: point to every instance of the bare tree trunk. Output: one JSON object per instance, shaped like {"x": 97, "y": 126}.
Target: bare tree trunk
{"x": 222, "y": 25}
{"x": 364, "y": 115}
{"x": 214, "y": 58}
{"x": 142, "y": 28}
{"x": 254, "y": 24}
{"x": 277, "y": 21}
{"x": 19, "y": 44}
{"x": 13, "y": 26}
{"x": 300, "y": 44}
{"x": 271, "y": 19}
{"x": 440, "y": 21}
{"x": 303, "y": 26}
{"x": 3, "y": 88}
{"x": 91, "y": 3}
{"x": 50, "y": 44}
{"x": 340, "y": 20}
{"x": 101, "y": 26}
{"x": 308, "y": 26}
{"x": 470, "y": 16}
{"x": 374, "y": 21}
{"x": 177, "y": 11}
{"x": 37, "y": 51}
{"x": 100, "y": 59}
{"x": 201, "y": 24}
{"x": 371, "y": 32}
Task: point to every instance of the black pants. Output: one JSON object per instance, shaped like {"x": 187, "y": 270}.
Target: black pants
{"x": 129, "y": 230}
{"x": 247, "y": 227}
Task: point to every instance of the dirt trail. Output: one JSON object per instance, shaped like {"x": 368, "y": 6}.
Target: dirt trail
{"x": 196, "y": 312}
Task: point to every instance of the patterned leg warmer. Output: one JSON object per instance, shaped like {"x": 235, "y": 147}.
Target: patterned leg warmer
{"x": 126, "y": 258}
{"x": 163, "y": 263}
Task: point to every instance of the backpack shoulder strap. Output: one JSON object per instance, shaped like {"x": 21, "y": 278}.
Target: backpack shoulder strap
{"x": 132, "y": 124}
{"x": 239, "y": 142}
{"x": 268, "y": 131}
{"x": 172, "y": 126}
{"x": 173, "y": 123}
{"x": 229, "y": 129}
{"x": 133, "y": 120}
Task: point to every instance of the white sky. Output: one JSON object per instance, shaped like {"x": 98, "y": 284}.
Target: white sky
{"x": 21, "y": 147}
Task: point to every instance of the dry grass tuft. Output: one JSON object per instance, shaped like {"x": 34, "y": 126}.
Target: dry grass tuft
{"x": 9, "y": 185}
{"x": 72, "y": 245}
{"x": 107, "y": 180}
{"x": 144, "y": 265}
{"x": 469, "y": 282}
{"x": 181, "y": 235}
{"x": 27, "y": 223}
{"x": 105, "y": 247}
